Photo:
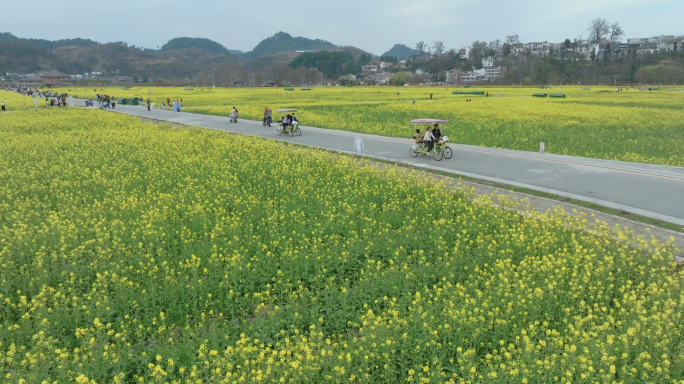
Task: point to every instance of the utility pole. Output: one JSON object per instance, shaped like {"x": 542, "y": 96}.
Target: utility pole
{"x": 615, "y": 80}
{"x": 521, "y": 80}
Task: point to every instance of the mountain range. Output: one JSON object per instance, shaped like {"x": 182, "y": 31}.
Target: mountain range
{"x": 183, "y": 56}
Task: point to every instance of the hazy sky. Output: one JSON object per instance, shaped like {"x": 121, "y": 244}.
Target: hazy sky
{"x": 374, "y": 26}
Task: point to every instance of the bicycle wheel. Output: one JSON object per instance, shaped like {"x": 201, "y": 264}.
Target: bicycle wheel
{"x": 412, "y": 152}
{"x": 448, "y": 153}
{"x": 279, "y": 133}
{"x": 438, "y": 154}
{"x": 299, "y": 132}
{"x": 291, "y": 132}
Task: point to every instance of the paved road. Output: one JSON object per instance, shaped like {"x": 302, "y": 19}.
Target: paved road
{"x": 649, "y": 190}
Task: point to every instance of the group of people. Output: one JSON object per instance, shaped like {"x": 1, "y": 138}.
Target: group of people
{"x": 105, "y": 101}
{"x": 51, "y": 98}
{"x": 290, "y": 121}
{"x": 432, "y": 135}
{"x": 177, "y": 104}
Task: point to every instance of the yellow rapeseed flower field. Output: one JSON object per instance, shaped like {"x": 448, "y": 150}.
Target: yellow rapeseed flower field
{"x": 136, "y": 253}
{"x": 16, "y": 102}
{"x": 598, "y": 122}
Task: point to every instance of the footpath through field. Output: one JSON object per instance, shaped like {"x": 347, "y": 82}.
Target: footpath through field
{"x": 655, "y": 191}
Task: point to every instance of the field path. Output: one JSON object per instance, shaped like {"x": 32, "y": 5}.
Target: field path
{"x": 655, "y": 191}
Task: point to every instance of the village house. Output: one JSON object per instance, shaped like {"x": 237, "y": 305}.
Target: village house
{"x": 488, "y": 73}
{"x": 49, "y": 77}
{"x": 381, "y": 78}
{"x": 375, "y": 66}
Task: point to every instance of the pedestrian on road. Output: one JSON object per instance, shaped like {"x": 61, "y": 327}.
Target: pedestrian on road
{"x": 148, "y": 105}
{"x": 3, "y": 106}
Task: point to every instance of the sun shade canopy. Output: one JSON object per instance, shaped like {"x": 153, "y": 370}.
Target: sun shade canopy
{"x": 286, "y": 110}
{"x": 429, "y": 121}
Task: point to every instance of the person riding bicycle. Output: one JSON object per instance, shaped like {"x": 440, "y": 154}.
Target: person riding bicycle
{"x": 437, "y": 133}
{"x": 267, "y": 116}
{"x": 294, "y": 121}
{"x": 429, "y": 139}
{"x": 234, "y": 114}
{"x": 286, "y": 121}
{"x": 418, "y": 137}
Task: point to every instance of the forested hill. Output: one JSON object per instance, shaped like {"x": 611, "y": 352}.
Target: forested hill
{"x": 46, "y": 45}
{"x": 401, "y": 52}
{"x": 330, "y": 63}
{"x": 195, "y": 42}
{"x": 282, "y": 42}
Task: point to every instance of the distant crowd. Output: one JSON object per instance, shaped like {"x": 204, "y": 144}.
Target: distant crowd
{"x": 52, "y": 99}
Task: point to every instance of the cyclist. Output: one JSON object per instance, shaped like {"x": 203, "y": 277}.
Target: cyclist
{"x": 437, "y": 133}
{"x": 429, "y": 139}
{"x": 267, "y": 116}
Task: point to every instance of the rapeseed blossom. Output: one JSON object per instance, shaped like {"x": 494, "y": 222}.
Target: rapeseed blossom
{"x": 599, "y": 123}
{"x": 132, "y": 252}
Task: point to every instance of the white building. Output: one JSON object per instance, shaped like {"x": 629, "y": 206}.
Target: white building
{"x": 382, "y": 78}
{"x": 420, "y": 71}
{"x": 656, "y": 43}
{"x": 483, "y": 75}
{"x": 494, "y": 73}
{"x": 538, "y": 49}
{"x": 517, "y": 49}
{"x": 375, "y": 66}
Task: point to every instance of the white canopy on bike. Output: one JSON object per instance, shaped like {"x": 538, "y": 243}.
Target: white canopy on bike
{"x": 429, "y": 121}
{"x": 286, "y": 110}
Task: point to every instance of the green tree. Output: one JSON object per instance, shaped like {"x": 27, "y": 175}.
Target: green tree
{"x": 506, "y": 49}
{"x": 332, "y": 64}
{"x": 364, "y": 59}
{"x": 389, "y": 59}
{"x": 399, "y": 78}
